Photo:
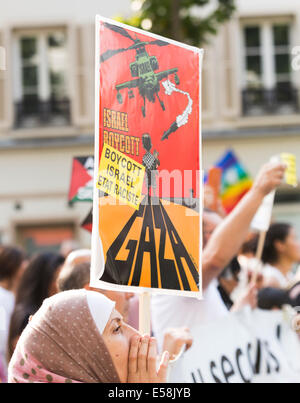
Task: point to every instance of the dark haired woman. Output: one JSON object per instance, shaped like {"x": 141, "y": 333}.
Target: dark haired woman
{"x": 281, "y": 252}
{"x": 37, "y": 284}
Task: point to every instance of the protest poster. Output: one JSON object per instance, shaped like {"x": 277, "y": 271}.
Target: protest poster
{"x": 147, "y": 193}
{"x": 246, "y": 347}
{"x": 81, "y": 185}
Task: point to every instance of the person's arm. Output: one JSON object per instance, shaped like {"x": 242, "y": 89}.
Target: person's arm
{"x": 296, "y": 324}
{"x": 227, "y": 239}
{"x": 247, "y": 298}
{"x": 175, "y": 339}
{"x": 271, "y": 282}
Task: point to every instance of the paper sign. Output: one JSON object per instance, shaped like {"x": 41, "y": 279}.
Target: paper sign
{"x": 147, "y": 208}
{"x": 291, "y": 171}
{"x": 262, "y": 218}
{"x": 121, "y": 177}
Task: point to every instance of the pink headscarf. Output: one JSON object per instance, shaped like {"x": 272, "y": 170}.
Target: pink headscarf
{"x": 62, "y": 344}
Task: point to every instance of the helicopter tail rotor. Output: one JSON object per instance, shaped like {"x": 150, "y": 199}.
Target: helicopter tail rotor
{"x": 112, "y": 52}
{"x": 158, "y": 43}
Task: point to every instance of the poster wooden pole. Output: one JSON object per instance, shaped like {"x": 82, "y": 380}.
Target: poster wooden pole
{"x": 259, "y": 251}
{"x": 144, "y": 313}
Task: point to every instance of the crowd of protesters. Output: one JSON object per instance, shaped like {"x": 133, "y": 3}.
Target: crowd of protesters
{"x": 54, "y": 327}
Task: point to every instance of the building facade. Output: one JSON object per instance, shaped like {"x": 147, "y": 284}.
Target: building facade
{"x": 46, "y": 115}
{"x": 250, "y": 104}
{"x": 251, "y": 86}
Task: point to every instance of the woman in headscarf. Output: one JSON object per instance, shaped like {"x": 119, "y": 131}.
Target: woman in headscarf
{"x": 78, "y": 337}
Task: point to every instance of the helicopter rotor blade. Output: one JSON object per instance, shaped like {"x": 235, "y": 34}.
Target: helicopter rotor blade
{"x": 158, "y": 43}
{"x": 111, "y": 52}
{"x": 119, "y": 30}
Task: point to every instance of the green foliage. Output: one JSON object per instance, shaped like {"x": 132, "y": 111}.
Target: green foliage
{"x": 181, "y": 20}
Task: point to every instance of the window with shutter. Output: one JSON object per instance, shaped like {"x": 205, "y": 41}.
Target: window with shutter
{"x": 2, "y": 80}
{"x": 267, "y": 73}
{"x": 40, "y": 84}
{"x": 84, "y": 60}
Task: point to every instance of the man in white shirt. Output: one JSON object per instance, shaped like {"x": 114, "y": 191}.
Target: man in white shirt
{"x": 12, "y": 266}
{"x": 223, "y": 245}
{"x": 7, "y": 304}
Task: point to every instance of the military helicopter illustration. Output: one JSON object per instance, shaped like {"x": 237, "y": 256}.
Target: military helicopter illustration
{"x": 142, "y": 69}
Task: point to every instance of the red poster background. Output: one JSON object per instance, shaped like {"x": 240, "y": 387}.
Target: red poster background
{"x": 181, "y": 150}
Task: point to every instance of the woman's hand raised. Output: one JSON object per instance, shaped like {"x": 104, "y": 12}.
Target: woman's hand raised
{"x": 143, "y": 359}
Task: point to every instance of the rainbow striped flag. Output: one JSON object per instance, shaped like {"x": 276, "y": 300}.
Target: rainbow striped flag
{"x": 235, "y": 180}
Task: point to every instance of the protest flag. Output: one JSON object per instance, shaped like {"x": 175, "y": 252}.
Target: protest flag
{"x": 236, "y": 181}
{"x": 214, "y": 181}
{"x": 87, "y": 223}
{"x": 81, "y": 185}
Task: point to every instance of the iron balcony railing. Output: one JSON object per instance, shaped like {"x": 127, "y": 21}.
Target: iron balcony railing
{"x": 32, "y": 112}
{"x": 270, "y": 102}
